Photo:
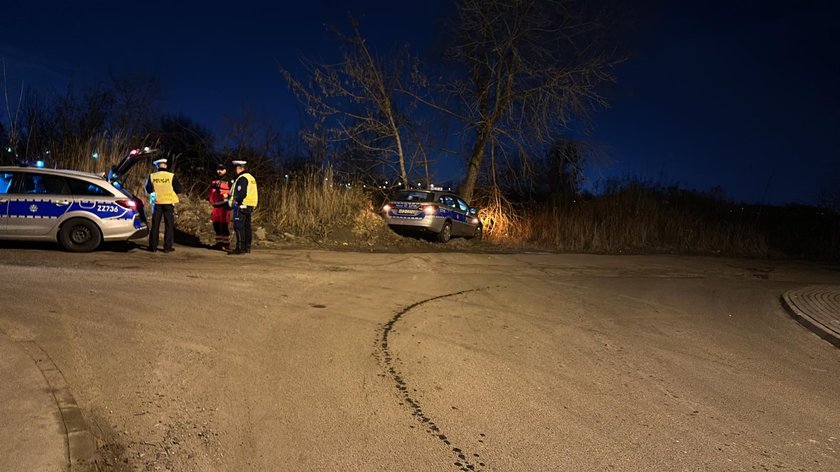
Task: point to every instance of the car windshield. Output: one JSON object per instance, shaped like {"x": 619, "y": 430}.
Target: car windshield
{"x": 413, "y": 196}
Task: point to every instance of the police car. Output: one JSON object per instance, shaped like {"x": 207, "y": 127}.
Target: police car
{"x": 76, "y": 209}
{"x": 442, "y": 214}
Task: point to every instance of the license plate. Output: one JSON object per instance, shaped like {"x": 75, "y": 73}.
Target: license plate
{"x": 405, "y": 211}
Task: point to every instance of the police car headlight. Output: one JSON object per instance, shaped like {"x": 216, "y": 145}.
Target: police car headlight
{"x": 386, "y": 208}
{"x": 475, "y": 221}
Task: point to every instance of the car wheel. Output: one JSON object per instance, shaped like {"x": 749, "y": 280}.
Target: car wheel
{"x": 445, "y": 233}
{"x": 79, "y": 235}
{"x": 477, "y": 233}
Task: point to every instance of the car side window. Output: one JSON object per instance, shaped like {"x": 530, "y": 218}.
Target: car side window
{"x": 447, "y": 200}
{"x": 463, "y": 206}
{"x": 44, "y": 184}
{"x": 83, "y": 188}
{"x": 6, "y": 179}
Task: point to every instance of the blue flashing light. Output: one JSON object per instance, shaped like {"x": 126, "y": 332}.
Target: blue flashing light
{"x": 39, "y": 163}
{"x": 117, "y": 184}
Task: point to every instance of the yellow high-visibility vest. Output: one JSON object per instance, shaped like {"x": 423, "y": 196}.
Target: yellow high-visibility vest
{"x": 252, "y": 197}
{"x": 162, "y": 183}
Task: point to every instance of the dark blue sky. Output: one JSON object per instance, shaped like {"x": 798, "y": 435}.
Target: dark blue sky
{"x": 740, "y": 94}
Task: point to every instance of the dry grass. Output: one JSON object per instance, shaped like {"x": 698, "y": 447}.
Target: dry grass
{"x": 631, "y": 220}
{"x": 78, "y": 154}
{"x": 312, "y": 205}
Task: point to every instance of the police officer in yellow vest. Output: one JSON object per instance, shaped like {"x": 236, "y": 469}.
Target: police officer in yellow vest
{"x": 166, "y": 188}
{"x": 243, "y": 200}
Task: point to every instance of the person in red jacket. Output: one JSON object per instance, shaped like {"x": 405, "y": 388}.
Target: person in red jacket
{"x": 220, "y": 214}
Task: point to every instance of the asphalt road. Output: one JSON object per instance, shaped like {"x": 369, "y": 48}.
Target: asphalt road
{"x": 337, "y": 361}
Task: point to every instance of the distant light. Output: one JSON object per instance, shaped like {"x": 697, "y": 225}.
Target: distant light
{"x": 286, "y": 176}
{"x": 147, "y": 149}
{"x": 39, "y": 163}
{"x": 95, "y": 155}
{"x": 8, "y": 149}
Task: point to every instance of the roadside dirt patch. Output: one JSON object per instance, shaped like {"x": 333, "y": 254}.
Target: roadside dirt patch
{"x": 367, "y": 232}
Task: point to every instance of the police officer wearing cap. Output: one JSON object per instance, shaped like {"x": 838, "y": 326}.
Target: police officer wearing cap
{"x": 166, "y": 188}
{"x": 243, "y": 200}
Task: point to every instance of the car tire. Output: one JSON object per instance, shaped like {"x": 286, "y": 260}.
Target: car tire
{"x": 79, "y": 235}
{"x": 445, "y": 233}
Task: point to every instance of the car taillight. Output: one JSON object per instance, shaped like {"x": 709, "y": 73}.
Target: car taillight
{"x": 127, "y": 204}
{"x": 429, "y": 209}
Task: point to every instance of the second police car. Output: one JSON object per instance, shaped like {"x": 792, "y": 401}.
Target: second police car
{"x": 78, "y": 210}
{"x": 440, "y": 213}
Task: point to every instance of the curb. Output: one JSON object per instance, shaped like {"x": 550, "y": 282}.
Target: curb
{"x": 81, "y": 444}
{"x": 799, "y": 304}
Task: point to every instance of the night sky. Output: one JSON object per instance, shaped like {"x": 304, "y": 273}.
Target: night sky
{"x": 738, "y": 94}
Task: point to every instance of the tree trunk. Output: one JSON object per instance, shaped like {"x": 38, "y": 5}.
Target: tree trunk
{"x": 403, "y": 172}
{"x": 474, "y": 165}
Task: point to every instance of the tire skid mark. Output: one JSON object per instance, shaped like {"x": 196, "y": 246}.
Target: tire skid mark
{"x": 465, "y": 462}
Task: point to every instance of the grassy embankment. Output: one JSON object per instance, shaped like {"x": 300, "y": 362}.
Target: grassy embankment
{"x": 633, "y": 218}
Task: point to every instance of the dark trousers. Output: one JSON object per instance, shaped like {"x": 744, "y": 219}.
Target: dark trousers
{"x": 167, "y": 212}
{"x": 222, "y": 231}
{"x": 242, "y": 228}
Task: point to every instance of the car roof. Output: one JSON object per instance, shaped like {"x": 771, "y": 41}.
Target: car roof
{"x": 45, "y": 170}
{"x": 433, "y": 194}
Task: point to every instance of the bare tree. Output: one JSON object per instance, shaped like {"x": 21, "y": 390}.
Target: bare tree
{"x": 249, "y": 138}
{"x": 135, "y": 99}
{"x": 355, "y": 102}
{"x": 14, "y": 132}
{"x": 527, "y": 68}
{"x": 190, "y": 144}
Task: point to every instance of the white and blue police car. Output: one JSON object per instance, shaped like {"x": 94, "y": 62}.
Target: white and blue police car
{"x": 76, "y": 209}
{"x": 436, "y": 212}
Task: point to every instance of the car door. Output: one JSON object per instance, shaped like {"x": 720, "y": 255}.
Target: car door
{"x": 449, "y": 206}
{"x": 447, "y": 210}
{"x": 463, "y": 212}
{"x": 39, "y": 201}
{"x": 6, "y": 180}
